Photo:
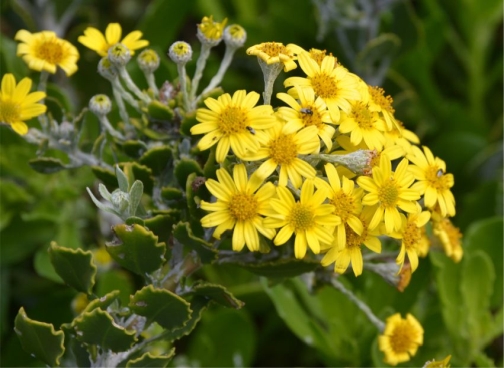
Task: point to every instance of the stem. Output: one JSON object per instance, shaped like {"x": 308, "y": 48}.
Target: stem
{"x": 360, "y": 304}
{"x": 217, "y": 79}
{"x": 42, "y": 86}
{"x": 183, "y": 85}
{"x": 151, "y": 81}
{"x": 131, "y": 85}
{"x": 109, "y": 128}
{"x": 125, "y": 94}
{"x": 120, "y": 104}
{"x": 270, "y": 73}
{"x": 200, "y": 66}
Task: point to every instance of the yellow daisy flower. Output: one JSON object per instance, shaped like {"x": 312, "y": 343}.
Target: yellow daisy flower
{"x": 449, "y": 235}
{"x": 210, "y": 30}
{"x": 347, "y": 202}
{"x": 432, "y": 179}
{"x": 309, "y": 219}
{"x": 17, "y": 104}
{"x": 276, "y": 52}
{"x": 307, "y": 112}
{"x": 349, "y": 251}
{"x": 383, "y": 104}
{"x": 282, "y": 150}
{"x": 401, "y": 338}
{"x": 331, "y": 81}
{"x": 412, "y": 237}
{"x": 239, "y": 206}
{"x": 390, "y": 190}
{"x": 95, "y": 40}
{"x": 401, "y": 137}
{"x": 445, "y": 363}
{"x": 318, "y": 55}
{"x": 45, "y": 51}
{"x": 233, "y": 123}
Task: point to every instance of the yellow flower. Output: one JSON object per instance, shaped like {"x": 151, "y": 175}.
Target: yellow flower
{"x": 390, "y": 191}
{"x": 282, "y": 150}
{"x": 412, "y": 237}
{"x": 401, "y": 338}
{"x": 17, "y": 104}
{"x": 331, "y": 81}
{"x": 233, "y": 122}
{"x": 211, "y": 31}
{"x": 45, "y": 51}
{"x": 401, "y": 137}
{"x": 432, "y": 179}
{"x": 275, "y": 52}
{"x": 383, "y": 104}
{"x": 311, "y": 221}
{"x": 240, "y": 202}
{"x": 318, "y": 55}
{"x": 449, "y": 235}
{"x": 445, "y": 363}
{"x": 349, "y": 251}
{"x": 307, "y": 112}
{"x": 95, "y": 40}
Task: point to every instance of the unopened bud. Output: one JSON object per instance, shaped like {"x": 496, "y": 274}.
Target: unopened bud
{"x": 100, "y": 105}
{"x": 120, "y": 200}
{"x": 210, "y": 32}
{"x": 180, "y": 52}
{"x": 106, "y": 69}
{"x": 148, "y": 60}
{"x": 235, "y": 36}
{"x": 119, "y": 54}
{"x": 359, "y": 162}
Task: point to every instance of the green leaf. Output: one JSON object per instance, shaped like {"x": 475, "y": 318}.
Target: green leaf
{"x": 43, "y": 266}
{"x": 198, "y": 305}
{"x": 47, "y": 165}
{"x": 102, "y": 302}
{"x": 160, "y": 111}
{"x": 39, "y": 339}
{"x": 157, "y": 159}
{"x": 187, "y": 123}
{"x": 74, "y": 266}
{"x": 144, "y": 174}
{"x": 283, "y": 268}
{"x": 122, "y": 179}
{"x": 134, "y": 149}
{"x": 106, "y": 176}
{"x": 135, "y": 194}
{"x": 116, "y": 280}
{"x": 149, "y": 360}
{"x": 169, "y": 193}
{"x": 183, "y": 233}
{"x": 162, "y": 224}
{"x": 162, "y": 306}
{"x": 218, "y": 294}
{"x": 184, "y": 168}
{"x": 98, "y": 328}
{"x": 136, "y": 249}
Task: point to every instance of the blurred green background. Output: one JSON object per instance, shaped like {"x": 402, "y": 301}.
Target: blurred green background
{"x": 443, "y": 64}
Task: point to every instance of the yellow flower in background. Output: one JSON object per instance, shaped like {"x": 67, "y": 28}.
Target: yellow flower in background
{"x": 95, "y": 40}
{"x": 401, "y": 338}
{"x": 233, "y": 123}
{"x": 276, "y": 52}
{"x": 309, "y": 219}
{"x": 383, "y": 104}
{"x": 343, "y": 253}
{"x": 307, "y": 112}
{"x": 445, "y": 363}
{"x": 390, "y": 190}
{"x": 449, "y": 235}
{"x": 240, "y": 203}
{"x": 45, "y": 51}
{"x": 282, "y": 150}
{"x": 432, "y": 179}
{"x": 17, "y": 104}
{"x": 330, "y": 81}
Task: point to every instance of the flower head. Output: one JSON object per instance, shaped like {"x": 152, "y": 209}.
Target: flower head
{"x": 119, "y": 54}
{"x": 95, "y": 40}
{"x": 100, "y": 105}
{"x": 276, "y": 52}
{"x": 106, "y": 69}
{"x": 180, "y": 52}
{"x": 432, "y": 179}
{"x": 401, "y": 137}
{"x": 17, "y": 104}
{"x": 235, "y": 35}
{"x": 319, "y": 55}
{"x": 233, "y": 122}
{"x": 401, "y": 338}
{"x": 240, "y": 203}
{"x": 331, "y": 81}
{"x": 309, "y": 219}
{"x": 382, "y": 104}
{"x": 148, "y": 60}
{"x": 45, "y": 51}
{"x": 449, "y": 235}
{"x": 210, "y": 32}
{"x": 390, "y": 190}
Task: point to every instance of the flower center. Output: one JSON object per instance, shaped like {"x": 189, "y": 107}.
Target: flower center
{"x": 389, "y": 193}
{"x": 401, "y": 339}
{"x": 212, "y": 30}
{"x": 310, "y": 116}
{"x": 324, "y": 85}
{"x": 283, "y": 150}
{"x": 301, "y": 217}
{"x": 10, "y": 111}
{"x": 233, "y": 120}
{"x": 362, "y": 116}
{"x": 274, "y": 49}
{"x": 343, "y": 205}
{"x": 354, "y": 240}
{"x": 318, "y": 55}
{"x": 379, "y": 98}
{"x": 243, "y": 207}
{"x": 436, "y": 178}
{"x": 451, "y": 231}
{"x": 50, "y": 51}
{"x": 412, "y": 236}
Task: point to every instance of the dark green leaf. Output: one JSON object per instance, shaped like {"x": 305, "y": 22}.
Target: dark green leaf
{"x": 46, "y": 165}
{"x": 183, "y": 233}
{"x": 170, "y": 193}
{"x": 149, "y": 360}
{"x": 162, "y": 306}
{"x": 184, "y": 168}
{"x": 107, "y": 176}
{"x": 43, "y": 266}
{"x": 160, "y": 111}
{"x": 283, "y": 268}
{"x": 116, "y": 280}
{"x": 198, "y": 305}
{"x": 218, "y": 294}
{"x": 162, "y": 225}
{"x": 39, "y": 339}
{"x": 74, "y": 266}
{"x": 157, "y": 159}
{"x": 144, "y": 174}
{"x": 136, "y": 249}
{"x": 134, "y": 149}
{"x": 188, "y": 122}
{"x": 98, "y": 328}
{"x": 102, "y": 302}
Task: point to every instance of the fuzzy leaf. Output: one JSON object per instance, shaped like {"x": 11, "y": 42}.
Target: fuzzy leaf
{"x": 136, "y": 249}
{"x": 218, "y": 294}
{"x": 157, "y": 159}
{"x": 149, "y": 360}
{"x": 98, "y": 328}
{"x": 135, "y": 194}
{"x": 162, "y": 306}
{"x": 39, "y": 339}
{"x": 74, "y": 266}
{"x": 122, "y": 180}
{"x": 144, "y": 174}
{"x": 183, "y": 233}
{"x": 47, "y": 165}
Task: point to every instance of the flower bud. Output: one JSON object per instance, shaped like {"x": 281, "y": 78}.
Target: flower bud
{"x": 119, "y": 54}
{"x": 180, "y": 52}
{"x": 100, "y": 105}
{"x": 210, "y": 32}
{"x": 148, "y": 60}
{"x": 235, "y": 36}
{"x": 106, "y": 69}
